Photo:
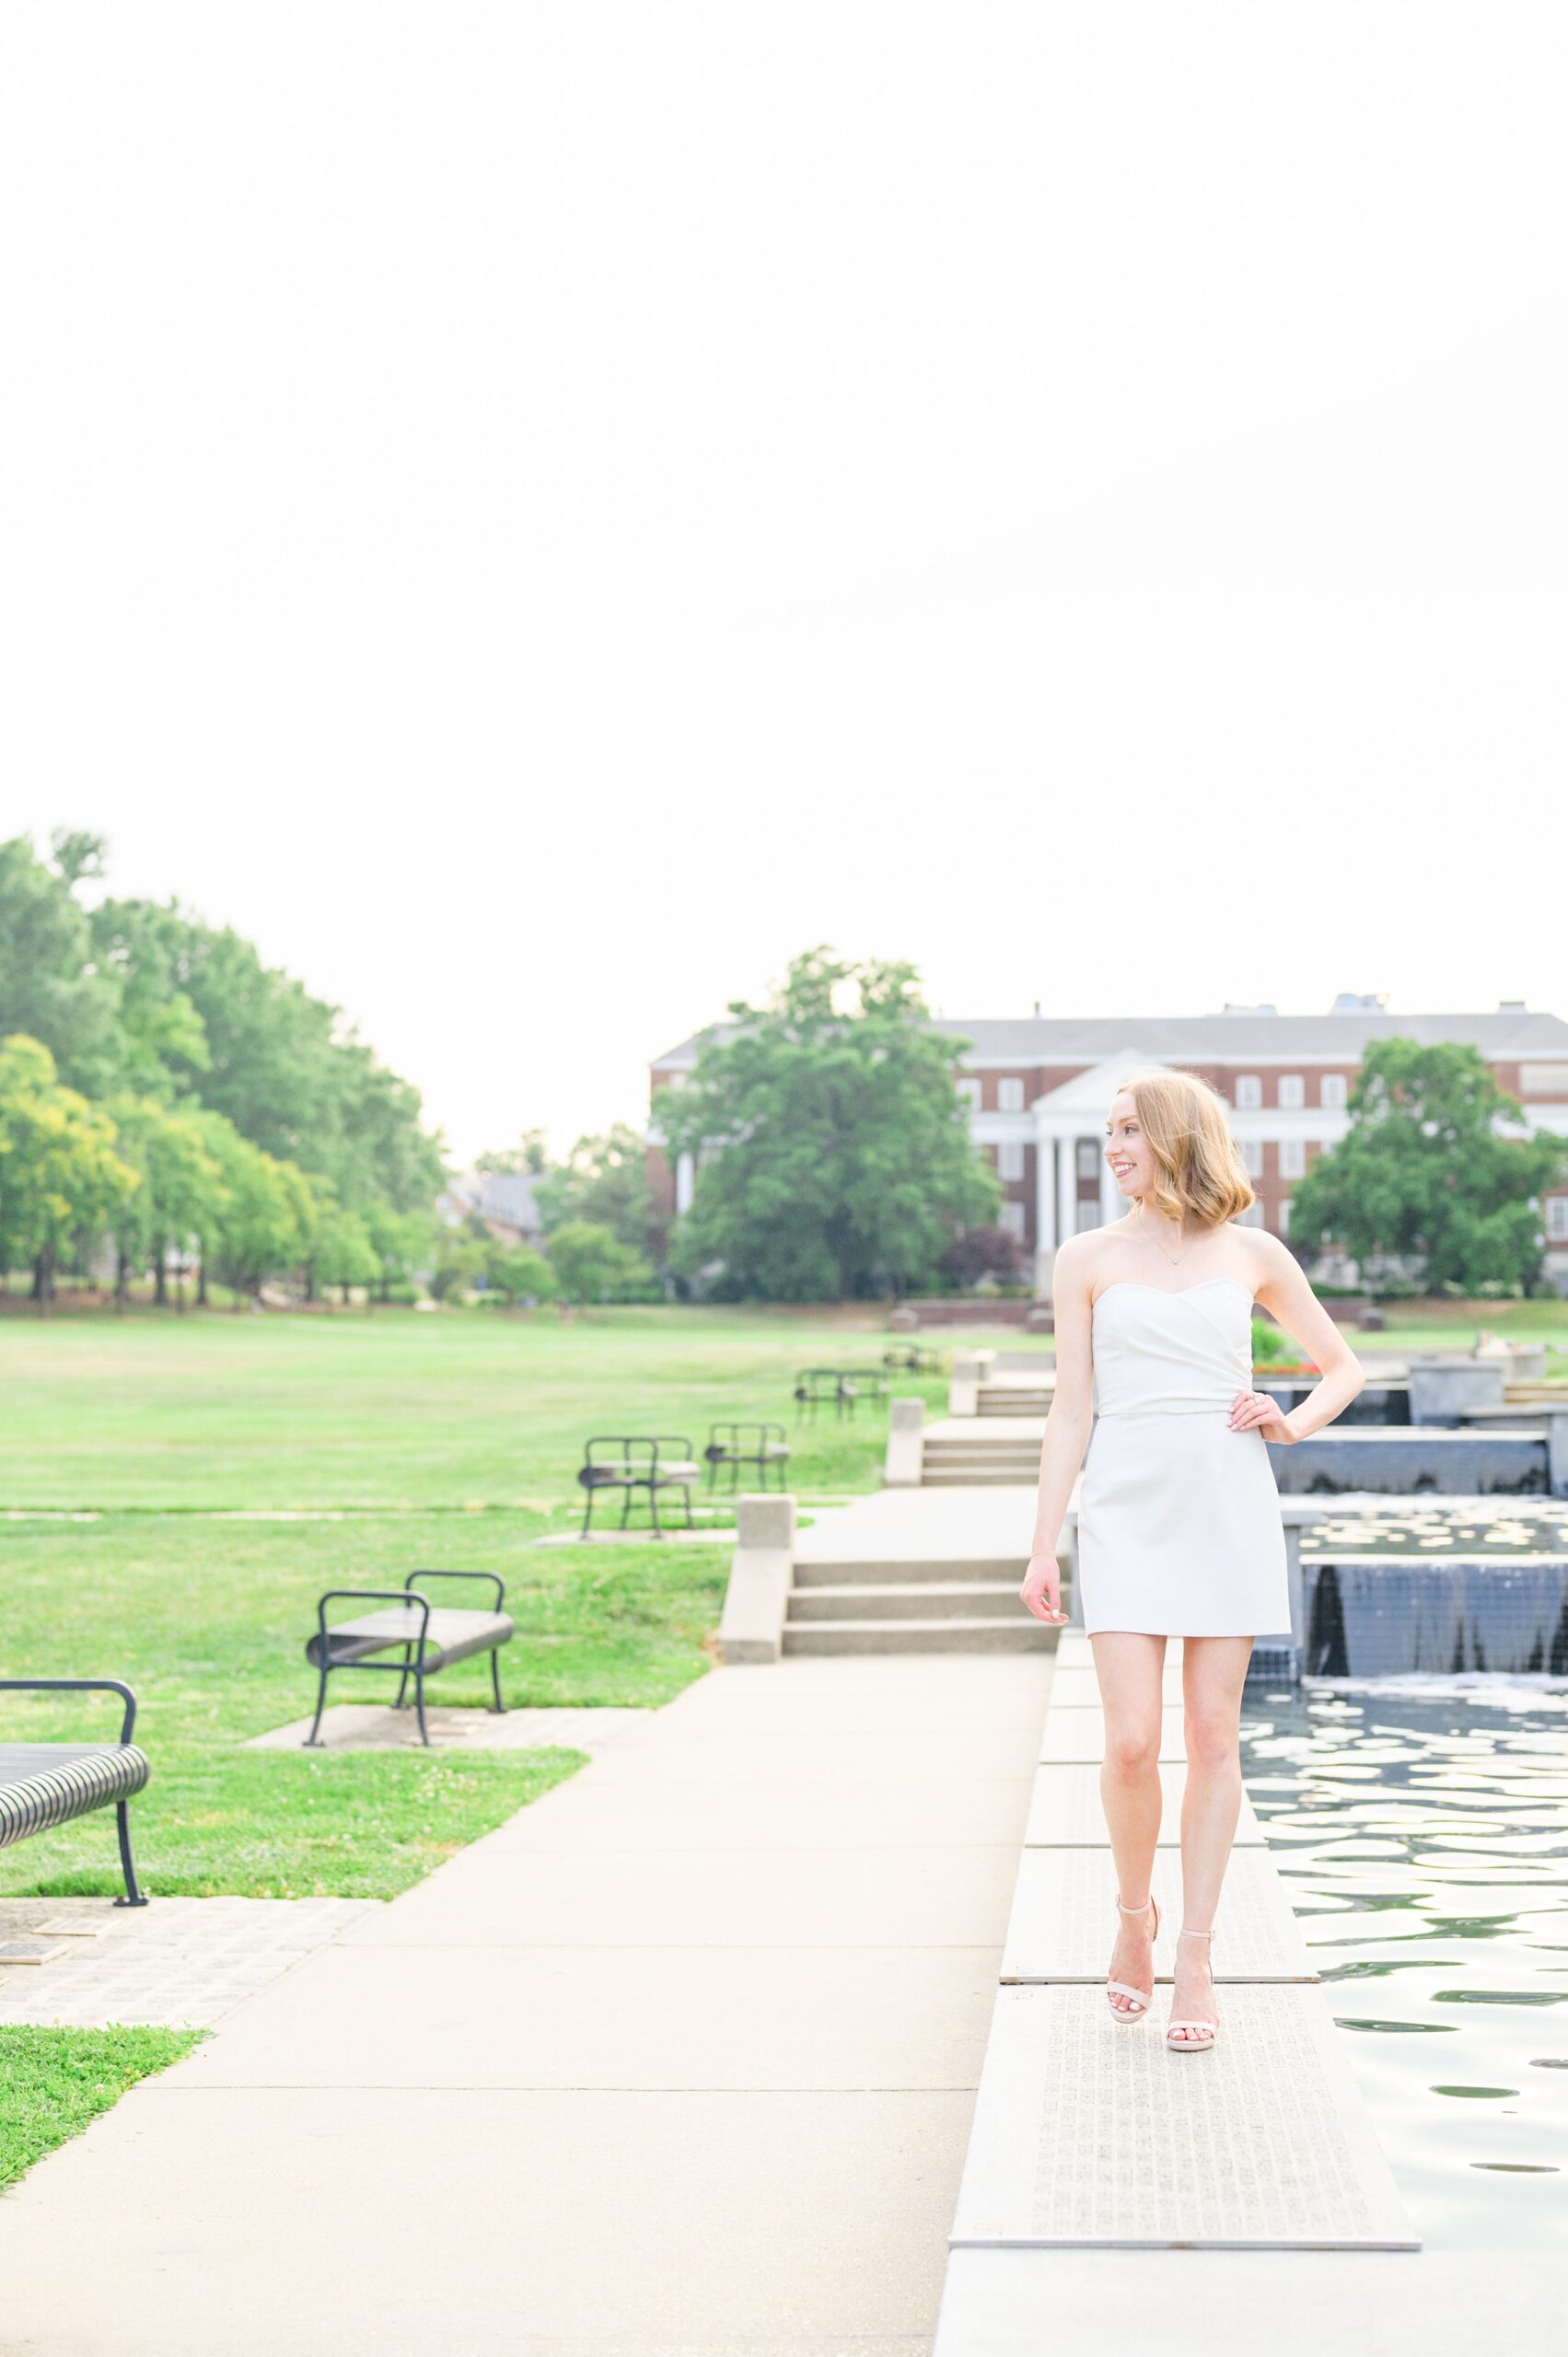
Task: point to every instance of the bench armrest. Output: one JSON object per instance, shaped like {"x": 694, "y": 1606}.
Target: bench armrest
{"x": 77, "y": 1686}
{"x": 499, "y": 1583}
{"x": 375, "y": 1596}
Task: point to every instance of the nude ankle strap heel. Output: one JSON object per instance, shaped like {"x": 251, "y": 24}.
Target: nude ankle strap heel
{"x": 1192, "y": 2045}
{"x": 1138, "y": 2000}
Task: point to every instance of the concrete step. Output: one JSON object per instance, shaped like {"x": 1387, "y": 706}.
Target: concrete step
{"x": 893, "y": 1600}
{"x": 1017, "y": 1631}
{"x": 982, "y": 1460}
{"x": 994, "y": 1452}
{"x": 941, "y": 1476}
{"x": 939, "y": 1568}
{"x": 983, "y": 1444}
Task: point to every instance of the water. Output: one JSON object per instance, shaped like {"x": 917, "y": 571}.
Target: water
{"x": 1421, "y": 1827}
{"x": 1435, "y": 1527}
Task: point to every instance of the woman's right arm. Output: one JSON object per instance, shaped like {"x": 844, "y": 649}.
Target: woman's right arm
{"x": 1067, "y": 1428}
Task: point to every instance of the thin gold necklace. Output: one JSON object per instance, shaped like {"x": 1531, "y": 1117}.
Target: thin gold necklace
{"x": 1158, "y": 1244}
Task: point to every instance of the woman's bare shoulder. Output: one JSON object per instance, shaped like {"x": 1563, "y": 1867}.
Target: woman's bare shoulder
{"x": 1263, "y": 1256}
{"x": 1086, "y": 1263}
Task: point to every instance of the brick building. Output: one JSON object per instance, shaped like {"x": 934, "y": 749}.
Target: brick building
{"x": 1038, "y": 1087}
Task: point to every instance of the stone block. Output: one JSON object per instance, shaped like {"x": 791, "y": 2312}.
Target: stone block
{"x": 1440, "y": 1390}
{"x": 904, "y": 1462}
{"x": 760, "y": 1570}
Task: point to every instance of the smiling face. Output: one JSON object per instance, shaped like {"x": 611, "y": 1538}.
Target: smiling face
{"x": 1128, "y": 1151}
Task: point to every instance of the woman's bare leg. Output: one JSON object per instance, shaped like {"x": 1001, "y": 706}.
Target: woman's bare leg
{"x": 1213, "y": 1672}
{"x": 1130, "y": 1665}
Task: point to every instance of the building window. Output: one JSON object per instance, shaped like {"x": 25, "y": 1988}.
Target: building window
{"x": 1088, "y": 1158}
{"x": 1249, "y": 1093}
{"x": 1557, "y": 1218}
{"x": 1009, "y": 1095}
{"x": 1293, "y": 1090}
{"x": 1011, "y": 1218}
{"x": 1331, "y": 1090}
{"x": 1543, "y": 1080}
{"x": 970, "y": 1091}
{"x": 1284, "y": 1216}
{"x": 1253, "y": 1156}
{"x": 1009, "y": 1159}
{"x": 1253, "y": 1216}
{"x": 1293, "y": 1157}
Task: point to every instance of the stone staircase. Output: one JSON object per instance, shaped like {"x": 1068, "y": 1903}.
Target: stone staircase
{"x": 982, "y": 1458}
{"x": 1014, "y": 1399}
{"x": 942, "y": 1605}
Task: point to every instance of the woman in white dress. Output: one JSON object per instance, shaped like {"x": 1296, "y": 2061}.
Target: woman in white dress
{"x": 1180, "y": 1532}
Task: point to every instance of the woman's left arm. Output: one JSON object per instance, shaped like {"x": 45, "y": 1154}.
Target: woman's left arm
{"x": 1286, "y": 1295}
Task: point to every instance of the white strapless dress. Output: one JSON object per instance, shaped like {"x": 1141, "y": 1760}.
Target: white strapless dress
{"x": 1180, "y": 1530}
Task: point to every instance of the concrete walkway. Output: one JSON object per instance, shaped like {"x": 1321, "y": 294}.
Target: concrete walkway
{"x": 682, "y": 2059}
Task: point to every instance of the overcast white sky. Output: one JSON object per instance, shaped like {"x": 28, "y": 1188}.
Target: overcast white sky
{"x": 536, "y": 512}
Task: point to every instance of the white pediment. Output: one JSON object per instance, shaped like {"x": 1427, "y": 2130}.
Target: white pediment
{"x": 1086, "y": 1097}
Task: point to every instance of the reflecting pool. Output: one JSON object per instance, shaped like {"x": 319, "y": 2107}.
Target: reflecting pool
{"x": 1421, "y": 1827}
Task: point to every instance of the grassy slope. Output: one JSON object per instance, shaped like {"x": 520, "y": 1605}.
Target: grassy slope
{"x": 54, "y": 2082}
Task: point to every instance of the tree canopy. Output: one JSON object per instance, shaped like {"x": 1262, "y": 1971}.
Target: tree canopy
{"x": 249, "y": 1118}
{"x": 1423, "y": 1171}
{"x": 833, "y": 1149}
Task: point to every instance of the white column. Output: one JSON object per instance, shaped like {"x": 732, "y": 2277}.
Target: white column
{"x": 1110, "y": 1204}
{"x": 1067, "y": 1187}
{"x": 1045, "y": 1194}
{"x": 685, "y": 1182}
{"x": 1045, "y": 1213}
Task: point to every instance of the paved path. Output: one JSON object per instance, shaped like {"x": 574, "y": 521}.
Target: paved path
{"x": 682, "y": 2059}
{"x": 184, "y": 1963}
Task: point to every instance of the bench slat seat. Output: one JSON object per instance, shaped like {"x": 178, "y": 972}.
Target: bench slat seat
{"x": 45, "y": 1784}
{"x": 637, "y": 1477}
{"x": 452, "y": 1634}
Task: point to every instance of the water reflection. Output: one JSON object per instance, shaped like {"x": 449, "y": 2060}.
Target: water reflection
{"x": 1421, "y": 1828}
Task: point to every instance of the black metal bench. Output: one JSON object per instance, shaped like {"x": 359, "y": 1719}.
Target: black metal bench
{"x": 45, "y": 1784}
{"x": 430, "y": 1638}
{"x": 738, "y": 1445}
{"x": 817, "y": 1387}
{"x": 633, "y": 1461}
{"x": 912, "y": 1358}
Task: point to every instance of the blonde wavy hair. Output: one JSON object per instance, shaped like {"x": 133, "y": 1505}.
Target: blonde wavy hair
{"x": 1197, "y": 1166}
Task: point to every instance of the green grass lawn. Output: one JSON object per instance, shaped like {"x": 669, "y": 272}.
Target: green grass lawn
{"x": 449, "y": 1441}
{"x": 207, "y": 1619}
{"x": 462, "y": 1408}
{"x": 54, "y": 2082}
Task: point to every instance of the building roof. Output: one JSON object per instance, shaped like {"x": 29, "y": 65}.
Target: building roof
{"x": 505, "y": 1196}
{"x": 1240, "y": 1035}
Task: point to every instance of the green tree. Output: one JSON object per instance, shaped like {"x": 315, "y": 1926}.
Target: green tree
{"x": 604, "y": 1180}
{"x": 526, "y": 1159}
{"x": 343, "y": 1254}
{"x": 518, "y": 1273}
{"x": 251, "y": 1227}
{"x": 833, "y": 1149}
{"x": 51, "y": 987}
{"x": 60, "y": 1175}
{"x": 461, "y": 1262}
{"x": 254, "y": 1045}
{"x": 179, "y": 1181}
{"x": 589, "y": 1262}
{"x": 1423, "y": 1171}
{"x": 402, "y": 1243}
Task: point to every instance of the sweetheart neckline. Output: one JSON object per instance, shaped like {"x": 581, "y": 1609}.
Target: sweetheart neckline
{"x": 1171, "y": 1292}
